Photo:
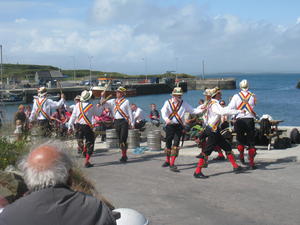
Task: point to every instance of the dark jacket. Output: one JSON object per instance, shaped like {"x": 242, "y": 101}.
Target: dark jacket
{"x": 57, "y": 206}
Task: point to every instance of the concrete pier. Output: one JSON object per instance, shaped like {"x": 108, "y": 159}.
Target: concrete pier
{"x": 201, "y": 84}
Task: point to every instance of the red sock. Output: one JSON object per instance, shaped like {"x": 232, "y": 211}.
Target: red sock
{"x": 168, "y": 159}
{"x": 124, "y": 153}
{"x": 231, "y": 159}
{"x": 172, "y": 160}
{"x": 219, "y": 150}
{"x": 87, "y": 157}
{"x": 241, "y": 150}
{"x": 199, "y": 166}
{"x": 251, "y": 153}
{"x": 84, "y": 148}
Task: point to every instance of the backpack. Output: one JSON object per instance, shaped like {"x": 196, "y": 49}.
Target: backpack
{"x": 295, "y": 136}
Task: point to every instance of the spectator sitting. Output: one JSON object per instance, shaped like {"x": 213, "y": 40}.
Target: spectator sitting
{"x": 60, "y": 119}
{"x": 47, "y": 171}
{"x": 103, "y": 122}
{"x": 138, "y": 116}
{"x": 154, "y": 115}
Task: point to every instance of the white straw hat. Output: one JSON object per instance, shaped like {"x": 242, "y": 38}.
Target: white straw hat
{"x": 244, "y": 85}
{"x": 215, "y": 91}
{"x": 42, "y": 91}
{"x": 85, "y": 95}
{"x": 177, "y": 91}
{"x": 207, "y": 92}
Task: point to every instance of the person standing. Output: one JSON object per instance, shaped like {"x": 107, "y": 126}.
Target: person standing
{"x": 123, "y": 118}
{"x": 214, "y": 111}
{"x": 41, "y": 111}
{"x": 245, "y": 124}
{"x": 172, "y": 113}
{"x": 20, "y": 122}
{"x": 83, "y": 116}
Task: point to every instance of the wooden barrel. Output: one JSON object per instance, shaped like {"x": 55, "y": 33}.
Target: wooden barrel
{"x": 112, "y": 141}
{"x": 154, "y": 140}
{"x": 133, "y": 139}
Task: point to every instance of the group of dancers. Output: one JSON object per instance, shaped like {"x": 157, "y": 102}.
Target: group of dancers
{"x": 173, "y": 113}
{"x": 241, "y": 107}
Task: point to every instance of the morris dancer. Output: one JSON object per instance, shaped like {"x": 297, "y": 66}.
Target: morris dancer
{"x": 212, "y": 131}
{"x": 41, "y": 111}
{"x": 123, "y": 119}
{"x": 82, "y": 115}
{"x": 245, "y": 126}
{"x": 172, "y": 113}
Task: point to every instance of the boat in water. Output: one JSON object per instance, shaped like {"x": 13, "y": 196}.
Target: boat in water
{"x": 110, "y": 86}
{"x": 11, "y": 98}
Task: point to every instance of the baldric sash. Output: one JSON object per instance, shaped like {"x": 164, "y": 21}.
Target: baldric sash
{"x": 245, "y": 102}
{"x": 214, "y": 126}
{"x": 39, "y": 110}
{"x": 83, "y": 112}
{"x": 118, "y": 108}
{"x": 175, "y": 109}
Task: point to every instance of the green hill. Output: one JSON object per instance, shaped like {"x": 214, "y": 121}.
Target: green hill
{"x": 23, "y": 71}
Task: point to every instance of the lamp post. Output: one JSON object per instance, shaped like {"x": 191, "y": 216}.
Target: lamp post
{"x": 202, "y": 69}
{"x": 145, "y": 60}
{"x": 74, "y": 69}
{"x": 1, "y": 68}
{"x": 90, "y": 59}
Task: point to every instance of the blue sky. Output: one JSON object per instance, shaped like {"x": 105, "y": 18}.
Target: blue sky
{"x": 125, "y": 35}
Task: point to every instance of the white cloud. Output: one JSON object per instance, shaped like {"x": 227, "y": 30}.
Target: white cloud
{"x": 122, "y": 32}
{"x": 20, "y": 20}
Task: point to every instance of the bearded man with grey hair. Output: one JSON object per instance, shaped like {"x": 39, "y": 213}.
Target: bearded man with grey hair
{"x": 46, "y": 171}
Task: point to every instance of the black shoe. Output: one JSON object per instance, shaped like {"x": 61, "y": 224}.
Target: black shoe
{"x": 200, "y": 176}
{"x": 174, "y": 169}
{"x": 123, "y": 159}
{"x": 238, "y": 169}
{"x": 252, "y": 167}
{"x": 219, "y": 158}
{"x": 88, "y": 165}
{"x": 198, "y": 156}
{"x": 165, "y": 164}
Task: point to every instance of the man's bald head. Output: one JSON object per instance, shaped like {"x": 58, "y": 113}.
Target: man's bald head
{"x": 46, "y": 165}
{"x": 43, "y": 157}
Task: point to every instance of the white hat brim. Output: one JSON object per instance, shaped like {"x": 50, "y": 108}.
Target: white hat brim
{"x": 82, "y": 99}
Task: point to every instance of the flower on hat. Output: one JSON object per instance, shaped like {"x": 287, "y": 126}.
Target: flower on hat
{"x": 177, "y": 91}
{"x": 42, "y": 91}
{"x": 121, "y": 89}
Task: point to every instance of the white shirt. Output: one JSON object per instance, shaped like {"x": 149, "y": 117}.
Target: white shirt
{"x": 46, "y": 107}
{"x": 203, "y": 109}
{"x": 93, "y": 111}
{"x": 125, "y": 107}
{"x": 215, "y": 111}
{"x": 185, "y": 107}
{"x": 236, "y": 101}
{"x": 138, "y": 115}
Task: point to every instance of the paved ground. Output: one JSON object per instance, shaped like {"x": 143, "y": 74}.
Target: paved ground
{"x": 267, "y": 196}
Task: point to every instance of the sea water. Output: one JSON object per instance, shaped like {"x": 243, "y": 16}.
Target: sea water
{"x": 276, "y": 94}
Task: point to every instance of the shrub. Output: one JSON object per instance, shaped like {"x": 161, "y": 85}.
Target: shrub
{"x": 11, "y": 151}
